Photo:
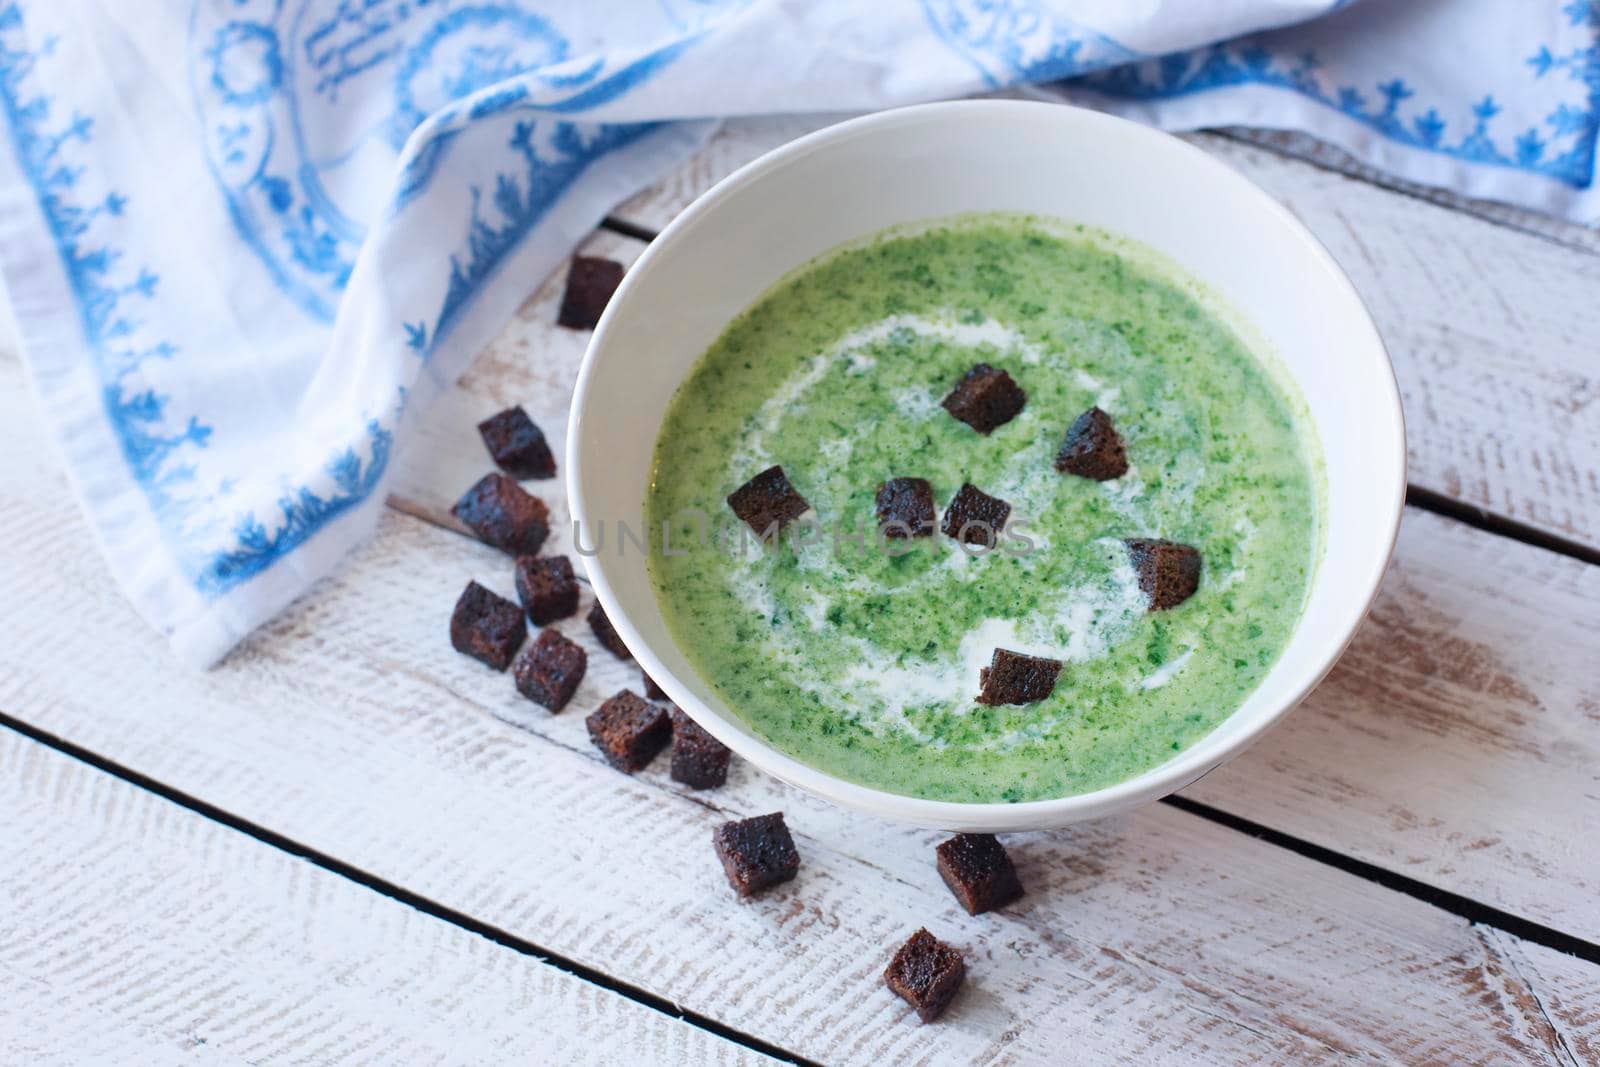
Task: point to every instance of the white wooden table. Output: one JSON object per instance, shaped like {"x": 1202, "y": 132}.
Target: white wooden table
{"x": 349, "y": 842}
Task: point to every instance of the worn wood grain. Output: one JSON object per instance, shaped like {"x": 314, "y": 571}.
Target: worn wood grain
{"x": 135, "y": 931}
{"x": 349, "y": 725}
{"x": 1457, "y": 741}
{"x": 1492, "y": 331}
{"x": 1569, "y": 1003}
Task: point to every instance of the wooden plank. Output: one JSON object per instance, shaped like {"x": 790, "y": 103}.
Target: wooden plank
{"x": 1456, "y": 741}
{"x": 348, "y": 725}
{"x": 1570, "y": 1004}
{"x": 1492, "y": 331}
{"x": 136, "y": 931}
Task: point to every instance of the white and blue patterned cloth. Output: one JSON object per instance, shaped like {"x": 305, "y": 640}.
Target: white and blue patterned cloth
{"x": 246, "y": 240}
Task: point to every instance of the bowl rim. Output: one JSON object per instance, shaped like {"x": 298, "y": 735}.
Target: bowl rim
{"x": 1161, "y": 780}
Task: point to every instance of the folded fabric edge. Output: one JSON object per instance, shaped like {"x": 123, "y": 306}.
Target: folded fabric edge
{"x": 50, "y": 332}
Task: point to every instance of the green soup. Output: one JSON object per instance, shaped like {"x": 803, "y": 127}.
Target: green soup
{"x": 861, "y": 656}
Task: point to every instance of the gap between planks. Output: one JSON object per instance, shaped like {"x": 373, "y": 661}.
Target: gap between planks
{"x": 1469, "y": 909}
{"x": 1474, "y": 911}
{"x": 389, "y": 889}
{"x": 1465, "y": 907}
{"x": 1498, "y": 525}
{"x": 312, "y": 705}
{"x": 220, "y": 948}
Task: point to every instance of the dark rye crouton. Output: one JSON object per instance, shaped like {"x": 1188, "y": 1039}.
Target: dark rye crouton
{"x": 501, "y": 513}
{"x": 926, "y": 972}
{"x": 1169, "y": 572}
{"x": 767, "y": 502}
{"x": 698, "y": 759}
{"x": 1093, "y": 448}
{"x": 978, "y": 872}
{"x": 1012, "y": 678}
{"x": 974, "y": 517}
{"x": 605, "y": 634}
{"x": 629, "y": 730}
{"x": 517, "y": 446}
{"x": 487, "y": 626}
{"x": 756, "y": 853}
{"x": 546, "y": 587}
{"x": 651, "y": 689}
{"x": 985, "y": 398}
{"x": 549, "y": 670}
{"x": 590, "y": 283}
{"x": 905, "y": 508}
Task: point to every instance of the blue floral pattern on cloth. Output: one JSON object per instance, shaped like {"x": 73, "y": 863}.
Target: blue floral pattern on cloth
{"x": 1562, "y": 146}
{"x": 293, "y": 199}
{"x": 1018, "y": 42}
{"x": 230, "y": 307}
{"x": 113, "y": 295}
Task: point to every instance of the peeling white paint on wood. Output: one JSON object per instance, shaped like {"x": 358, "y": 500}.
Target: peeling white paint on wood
{"x": 350, "y": 726}
{"x": 1457, "y": 741}
{"x": 135, "y": 931}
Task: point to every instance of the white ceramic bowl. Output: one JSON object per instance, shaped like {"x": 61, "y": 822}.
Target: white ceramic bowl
{"x": 920, "y": 163}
